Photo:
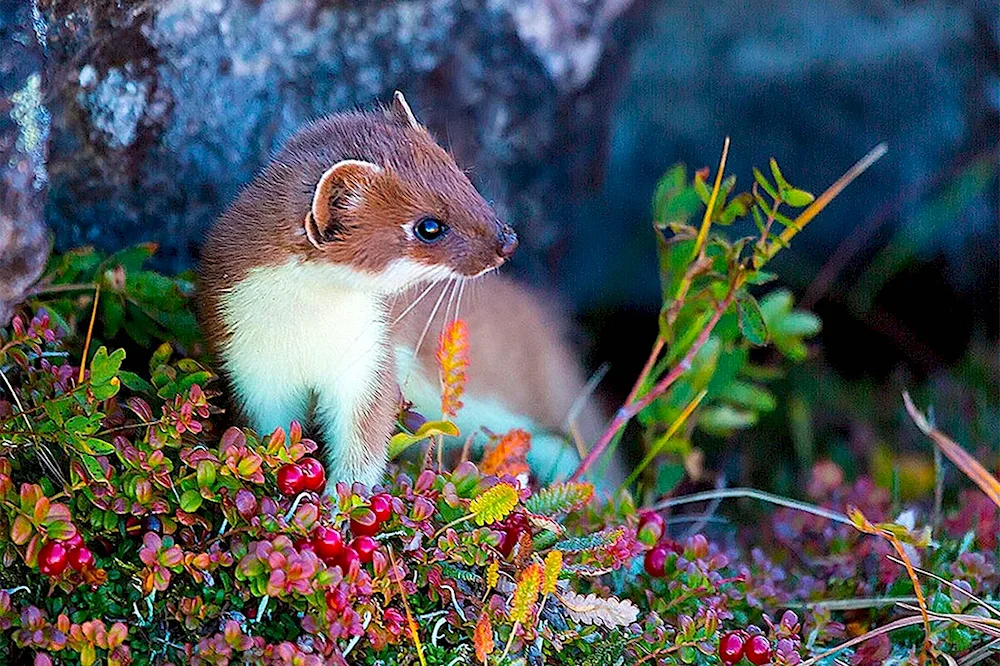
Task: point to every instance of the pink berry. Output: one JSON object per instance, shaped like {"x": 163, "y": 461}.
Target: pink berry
{"x": 313, "y": 474}
{"x": 758, "y": 650}
{"x": 81, "y": 558}
{"x": 291, "y": 480}
{"x": 731, "y": 647}
{"x": 52, "y": 558}
{"x": 365, "y": 547}
{"x": 655, "y": 561}
{"x": 381, "y": 506}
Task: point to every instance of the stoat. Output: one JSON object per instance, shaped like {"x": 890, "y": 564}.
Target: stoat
{"x": 299, "y": 277}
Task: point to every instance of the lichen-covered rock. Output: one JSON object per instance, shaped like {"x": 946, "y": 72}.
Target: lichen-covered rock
{"x": 24, "y": 128}
{"x": 162, "y": 111}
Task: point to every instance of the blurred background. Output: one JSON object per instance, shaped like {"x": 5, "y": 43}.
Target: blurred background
{"x": 133, "y": 121}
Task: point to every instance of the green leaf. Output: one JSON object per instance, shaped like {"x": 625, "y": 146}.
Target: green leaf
{"x": 402, "y": 441}
{"x": 94, "y": 447}
{"x": 135, "y": 382}
{"x": 93, "y": 468}
{"x": 751, "y": 396}
{"x": 798, "y": 198}
{"x": 778, "y": 177}
{"x": 751, "y": 320}
{"x": 160, "y": 357}
{"x": 60, "y": 530}
{"x": 765, "y": 184}
{"x": 104, "y": 367}
{"x": 721, "y": 420}
{"x": 760, "y": 277}
{"x": 190, "y": 501}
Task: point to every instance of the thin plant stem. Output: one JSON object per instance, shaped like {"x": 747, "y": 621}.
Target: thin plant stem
{"x": 90, "y": 333}
{"x": 629, "y": 410}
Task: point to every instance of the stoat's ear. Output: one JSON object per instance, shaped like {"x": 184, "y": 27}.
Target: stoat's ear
{"x": 401, "y": 110}
{"x": 340, "y": 189}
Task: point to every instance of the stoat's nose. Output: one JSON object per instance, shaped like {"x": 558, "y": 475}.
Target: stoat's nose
{"x": 507, "y": 241}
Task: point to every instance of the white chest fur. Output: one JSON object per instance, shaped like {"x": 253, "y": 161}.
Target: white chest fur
{"x": 300, "y": 334}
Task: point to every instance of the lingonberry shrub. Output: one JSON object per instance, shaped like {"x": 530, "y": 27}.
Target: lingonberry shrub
{"x": 139, "y": 525}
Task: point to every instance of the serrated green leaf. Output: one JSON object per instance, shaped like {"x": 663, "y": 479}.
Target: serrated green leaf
{"x": 559, "y": 498}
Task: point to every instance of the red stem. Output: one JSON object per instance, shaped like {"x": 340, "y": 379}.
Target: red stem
{"x": 636, "y": 405}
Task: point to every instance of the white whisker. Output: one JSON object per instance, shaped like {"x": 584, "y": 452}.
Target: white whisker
{"x": 423, "y": 333}
{"x": 461, "y": 293}
{"x": 414, "y": 303}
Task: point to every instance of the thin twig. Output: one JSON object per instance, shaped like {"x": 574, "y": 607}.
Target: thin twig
{"x": 752, "y": 493}
{"x": 90, "y": 333}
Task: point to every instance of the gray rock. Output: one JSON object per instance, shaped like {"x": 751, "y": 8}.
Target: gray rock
{"x": 162, "y": 111}
{"x": 24, "y": 130}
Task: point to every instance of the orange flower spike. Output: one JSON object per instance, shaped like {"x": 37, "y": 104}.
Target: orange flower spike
{"x": 507, "y": 454}
{"x": 453, "y": 361}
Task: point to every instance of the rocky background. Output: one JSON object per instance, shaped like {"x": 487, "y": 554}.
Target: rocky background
{"x": 140, "y": 120}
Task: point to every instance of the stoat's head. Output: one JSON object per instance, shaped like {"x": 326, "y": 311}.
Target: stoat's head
{"x": 387, "y": 201}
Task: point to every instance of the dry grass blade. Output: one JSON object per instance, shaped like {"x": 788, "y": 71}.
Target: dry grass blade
{"x": 865, "y": 526}
{"x": 950, "y": 584}
{"x": 410, "y": 622}
{"x": 985, "y": 625}
{"x": 981, "y": 653}
{"x": 90, "y": 334}
{"x": 706, "y": 221}
{"x": 955, "y": 453}
{"x": 857, "y": 640}
{"x": 824, "y": 199}
{"x": 753, "y": 493}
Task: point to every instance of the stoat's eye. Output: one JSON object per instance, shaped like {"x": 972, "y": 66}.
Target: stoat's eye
{"x": 430, "y": 230}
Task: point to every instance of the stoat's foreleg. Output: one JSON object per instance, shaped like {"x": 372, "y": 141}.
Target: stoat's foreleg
{"x": 356, "y": 421}
{"x": 269, "y": 400}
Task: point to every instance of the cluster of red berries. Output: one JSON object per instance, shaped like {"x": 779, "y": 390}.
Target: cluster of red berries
{"x": 329, "y": 545}
{"x": 737, "y": 645}
{"x": 651, "y": 531}
{"x": 55, "y": 556}
{"x": 306, "y": 474}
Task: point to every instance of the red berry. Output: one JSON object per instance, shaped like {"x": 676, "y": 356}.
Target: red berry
{"x": 327, "y": 543}
{"x": 75, "y": 541}
{"x": 655, "y": 561}
{"x": 52, "y": 558}
{"x": 651, "y": 527}
{"x": 363, "y": 529}
{"x": 365, "y": 546}
{"x": 348, "y": 556}
{"x": 291, "y": 480}
{"x": 303, "y": 544}
{"x": 758, "y": 650}
{"x": 381, "y": 506}
{"x": 731, "y": 647}
{"x": 81, "y": 558}
{"x": 313, "y": 474}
